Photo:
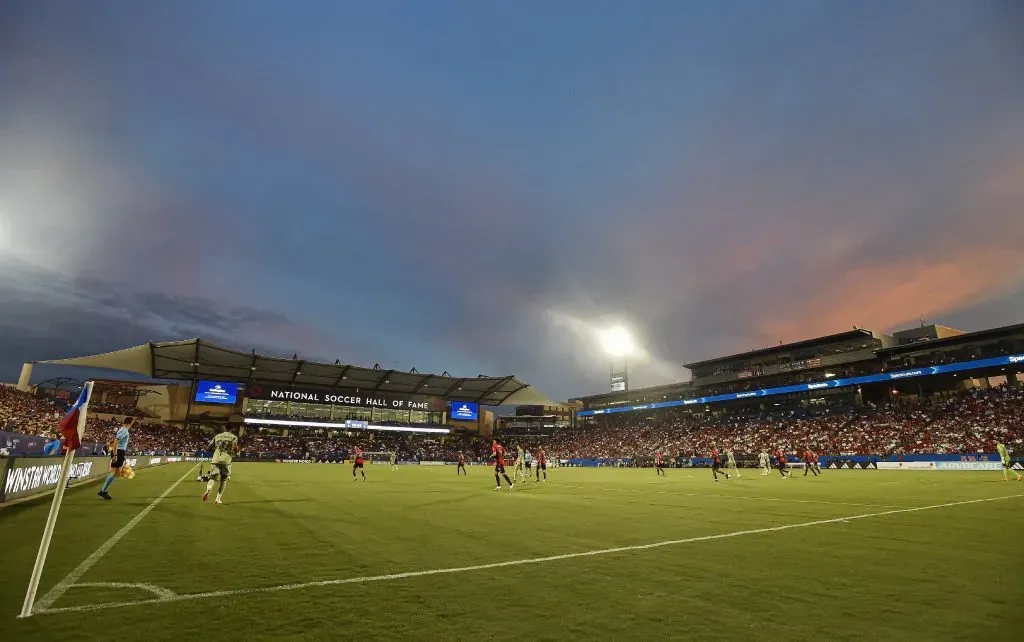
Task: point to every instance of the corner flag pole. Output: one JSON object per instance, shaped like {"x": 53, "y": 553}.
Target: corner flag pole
{"x": 51, "y": 520}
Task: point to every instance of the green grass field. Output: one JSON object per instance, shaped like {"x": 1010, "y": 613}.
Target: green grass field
{"x": 301, "y": 551}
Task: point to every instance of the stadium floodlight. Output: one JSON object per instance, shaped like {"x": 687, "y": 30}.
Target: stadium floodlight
{"x": 617, "y": 341}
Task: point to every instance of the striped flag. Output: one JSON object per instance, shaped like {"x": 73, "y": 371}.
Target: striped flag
{"x": 72, "y": 426}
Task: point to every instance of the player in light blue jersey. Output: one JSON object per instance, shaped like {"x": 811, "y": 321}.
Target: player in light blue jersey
{"x": 118, "y": 450}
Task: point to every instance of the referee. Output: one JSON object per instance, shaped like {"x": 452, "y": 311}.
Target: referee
{"x": 117, "y": 456}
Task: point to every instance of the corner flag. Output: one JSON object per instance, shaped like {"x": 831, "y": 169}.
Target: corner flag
{"x": 72, "y": 426}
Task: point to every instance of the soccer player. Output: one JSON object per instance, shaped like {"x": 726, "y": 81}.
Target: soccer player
{"x": 659, "y": 468}
{"x": 119, "y": 448}
{"x": 809, "y": 462}
{"x": 731, "y": 461}
{"x": 814, "y": 456}
{"x": 765, "y": 462}
{"x": 518, "y": 465}
{"x": 394, "y": 460}
{"x": 528, "y": 460}
{"x": 780, "y": 459}
{"x": 461, "y": 470}
{"x": 225, "y": 447}
{"x": 542, "y": 463}
{"x": 1004, "y": 456}
{"x": 716, "y": 463}
{"x": 498, "y": 455}
{"x": 359, "y": 464}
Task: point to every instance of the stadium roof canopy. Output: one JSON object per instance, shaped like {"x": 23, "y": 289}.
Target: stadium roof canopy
{"x": 196, "y": 359}
{"x": 849, "y": 335}
{"x": 965, "y": 338}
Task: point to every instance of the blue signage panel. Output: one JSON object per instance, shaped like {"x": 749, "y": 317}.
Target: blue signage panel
{"x": 216, "y": 392}
{"x": 465, "y": 410}
{"x": 926, "y": 371}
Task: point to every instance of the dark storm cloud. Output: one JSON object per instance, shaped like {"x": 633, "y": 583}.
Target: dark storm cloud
{"x": 450, "y": 188}
{"x": 48, "y": 315}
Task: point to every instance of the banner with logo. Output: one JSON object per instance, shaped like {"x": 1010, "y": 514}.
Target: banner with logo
{"x": 15, "y": 443}
{"x": 968, "y": 465}
{"x": 941, "y": 465}
{"x": 465, "y": 411}
{"x": 852, "y": 465}
{"x": 906, "y": 465}
{"x": 350, "y": 397}
{"x": 26, "y": 476}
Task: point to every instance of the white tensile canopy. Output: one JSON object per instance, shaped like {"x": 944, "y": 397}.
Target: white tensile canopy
{"x": 196, "y": 359}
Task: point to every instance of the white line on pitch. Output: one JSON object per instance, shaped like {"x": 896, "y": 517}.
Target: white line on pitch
{"x": 71, "y": 578}
{"x": 729, "y": 496}
{"x": 482, "y": 567}
{"x": 158, "y": 591}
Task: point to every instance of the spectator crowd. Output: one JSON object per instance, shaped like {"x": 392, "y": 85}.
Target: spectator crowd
{"x": 964, "y": 422}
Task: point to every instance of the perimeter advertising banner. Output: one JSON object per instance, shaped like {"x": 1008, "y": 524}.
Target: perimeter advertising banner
{"x": 345, "y": 398}
{"x": 25, "y": 476}
{"x": 14, "y": 443}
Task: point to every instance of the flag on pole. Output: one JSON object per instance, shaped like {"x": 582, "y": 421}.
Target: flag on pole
{"x": 72, "y": 426}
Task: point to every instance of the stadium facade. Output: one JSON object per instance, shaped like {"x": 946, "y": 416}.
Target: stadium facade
{"x": 854, "y": 368}
{"x": 219, "y": 384}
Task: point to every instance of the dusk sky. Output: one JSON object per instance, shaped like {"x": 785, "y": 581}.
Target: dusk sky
{"x": 470, "y": 186}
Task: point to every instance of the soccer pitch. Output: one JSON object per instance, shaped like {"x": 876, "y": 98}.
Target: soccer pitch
{"x": 302, "y": 551}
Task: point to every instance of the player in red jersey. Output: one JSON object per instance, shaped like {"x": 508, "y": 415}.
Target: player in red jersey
{"x": 809, "y": 462}
{"x": 498, "y": 454}
{"x": 817, "y": 467}
{"x": 542, "y": 463}
{"x": 461, "y": 470}
{"x": 359, "y": 464}
{"x": 658, "y": 467}
{"x": 780, "y": 460}
{"x": 716, "y": 463}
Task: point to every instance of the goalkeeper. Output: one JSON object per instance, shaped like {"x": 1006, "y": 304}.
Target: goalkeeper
{"x": 224, "y": 446}
{"x": 1004, "y": 457}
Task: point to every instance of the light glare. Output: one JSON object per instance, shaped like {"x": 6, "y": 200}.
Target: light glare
{"x": 617, "y": 342}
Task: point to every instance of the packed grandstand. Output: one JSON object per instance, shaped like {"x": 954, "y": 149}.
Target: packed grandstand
{"x": 926, "y": 390}
{"x": 964, "y": 422}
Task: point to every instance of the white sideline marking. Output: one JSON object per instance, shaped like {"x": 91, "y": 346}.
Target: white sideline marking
{"x": 72, "y": 578}
{"x": 482, "y": 567}
{"x": 730, "y": 496}
{"x": 159, "y": 591}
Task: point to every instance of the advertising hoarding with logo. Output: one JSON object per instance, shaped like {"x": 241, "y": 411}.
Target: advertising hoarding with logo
{"x": 219, "y": 392}
{"x": 465, "y": 411}
{"x": 26, "y": 476}
{"x": 350, "y": 397}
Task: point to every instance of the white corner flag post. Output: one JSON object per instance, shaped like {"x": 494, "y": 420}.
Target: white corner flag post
{"x": 51, "y": 520}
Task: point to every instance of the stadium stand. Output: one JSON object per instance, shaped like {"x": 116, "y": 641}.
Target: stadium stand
{"x": 965, "y": 422}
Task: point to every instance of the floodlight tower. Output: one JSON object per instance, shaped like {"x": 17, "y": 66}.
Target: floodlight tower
{"x": 618, "y": 344}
